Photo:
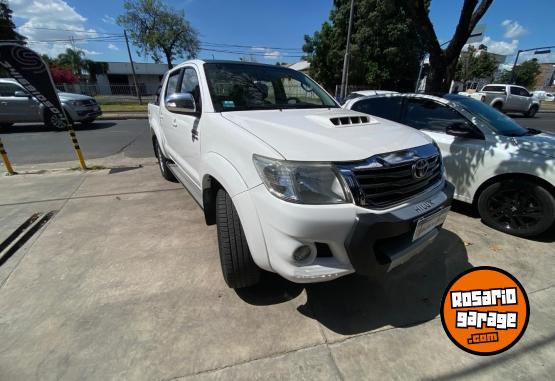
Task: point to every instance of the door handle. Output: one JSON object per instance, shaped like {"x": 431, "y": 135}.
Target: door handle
{"x": 4, "y": 103}
{"x": 174, "y": 123}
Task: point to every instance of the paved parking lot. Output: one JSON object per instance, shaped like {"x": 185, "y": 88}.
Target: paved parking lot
{"x": 124, "y": 283}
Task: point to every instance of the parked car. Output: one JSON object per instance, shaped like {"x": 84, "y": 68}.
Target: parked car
{"x": 295, "y": 184}
{"x": 509, "y": 98}
{"x": 543, "y": 96}
{"x": 18, "y": 106}
{"x": 366, "y": 93}
{"x": 506, "y": 170}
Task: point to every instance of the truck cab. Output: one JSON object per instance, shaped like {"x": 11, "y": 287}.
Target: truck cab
{"x": 295, "y": 184}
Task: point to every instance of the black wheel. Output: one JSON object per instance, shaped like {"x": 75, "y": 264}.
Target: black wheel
{"x": 532, "y": 112}
{"x": 498, "y": 106}
{"x": 517, "y": 207}
{"x": 163, "y": 163}
{"x": 238, "y": 267}
{"x": 52, "y": 121}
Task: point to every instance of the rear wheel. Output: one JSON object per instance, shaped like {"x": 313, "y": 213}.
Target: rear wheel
{"x": 163, "y": 163}
{"x": 498, "y": 106}
{"x": 532, "y": 112}
{"x": 238, "y": 267}
{"x": 517, "y": 207}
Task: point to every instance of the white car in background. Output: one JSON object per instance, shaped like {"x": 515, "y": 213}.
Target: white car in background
{"x": 366, "y": 93}
{"x": 506, "y": 170}
{"x": 544, "y": 96}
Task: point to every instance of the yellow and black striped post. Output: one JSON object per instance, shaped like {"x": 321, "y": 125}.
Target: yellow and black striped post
{"x": 76, "y": 147}
{"x": 6, "y": 159}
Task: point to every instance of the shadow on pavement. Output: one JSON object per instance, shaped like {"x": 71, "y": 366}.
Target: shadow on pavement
{"x": 354, "y": 304}
{"x": 39, "y": 127}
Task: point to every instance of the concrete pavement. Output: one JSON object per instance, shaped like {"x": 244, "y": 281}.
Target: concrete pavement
{"x": 124, "y": 283}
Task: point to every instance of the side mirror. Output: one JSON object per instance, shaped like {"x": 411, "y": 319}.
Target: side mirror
{"x": 461, "y": 130}
{"x": 21, "y": 94}
{"x": 181, "y": 103}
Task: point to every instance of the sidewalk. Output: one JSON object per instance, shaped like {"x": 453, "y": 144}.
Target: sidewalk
{"x": 124, "y": 282}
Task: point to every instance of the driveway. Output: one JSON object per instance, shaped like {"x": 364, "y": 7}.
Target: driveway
{"x": 124, "y": 282}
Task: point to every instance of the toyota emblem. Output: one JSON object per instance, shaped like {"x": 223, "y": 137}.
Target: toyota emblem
{"x": 420, "y": 169}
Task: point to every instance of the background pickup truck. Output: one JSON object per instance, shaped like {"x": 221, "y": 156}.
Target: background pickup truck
{"x": 295, "y": 184}
{"x": 509, "y": 98}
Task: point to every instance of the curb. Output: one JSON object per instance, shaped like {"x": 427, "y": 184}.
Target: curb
{"x": 121, "y": 116}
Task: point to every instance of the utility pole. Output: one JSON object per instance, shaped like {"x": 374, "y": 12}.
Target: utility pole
{"x": 132, "y": 68}
{"x": 514, "y": 66}
{"x": 345, "y": 76}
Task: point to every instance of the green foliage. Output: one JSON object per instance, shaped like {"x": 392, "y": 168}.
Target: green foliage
{"x": 386, "y": 48}
{"x": 475, "y": 65}
{"x": 525, "y": 74}
{"x": 159, "y": 30}
{"x": 7, "y": 26}
{"x": 73, "y": 59}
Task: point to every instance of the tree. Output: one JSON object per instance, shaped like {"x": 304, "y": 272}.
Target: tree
{"x": 443, "y": 63}
{"x": 475, "y": 64}
{"x": 385, "y": 46}
{"x": 62, "y": 75}
{"x": 72, "y": 58}
{"x": 525, "y": 74}
{"x": 159, "y": 30}
{"x": 7, "y": 26}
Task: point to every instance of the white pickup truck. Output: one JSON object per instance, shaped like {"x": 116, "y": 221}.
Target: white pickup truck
{"x": 509, "y": 98}
{"x": 295, "y": 184}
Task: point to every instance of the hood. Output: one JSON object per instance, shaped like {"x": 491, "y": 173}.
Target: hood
{"x": 327, "y": 134}
{"x": 73, "y": 97}
{"x": 543, "y": 143}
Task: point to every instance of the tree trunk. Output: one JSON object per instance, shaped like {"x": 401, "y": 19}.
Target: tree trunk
{"x": 169, "y": 59}
{"x": 437, "y": 71}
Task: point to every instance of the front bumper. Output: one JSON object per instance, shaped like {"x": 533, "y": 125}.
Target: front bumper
{"x": 370, "y": 242}
{"x": 79, "y": 114}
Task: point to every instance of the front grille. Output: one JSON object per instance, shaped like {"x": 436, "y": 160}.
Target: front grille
{"x": 389, "y": 179}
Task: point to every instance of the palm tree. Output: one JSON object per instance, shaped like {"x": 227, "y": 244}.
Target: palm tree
{"x": 72, "y": 58}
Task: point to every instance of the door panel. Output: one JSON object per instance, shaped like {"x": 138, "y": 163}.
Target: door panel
{"x": 182, "y": 131}
{"x": 17, "y": 109}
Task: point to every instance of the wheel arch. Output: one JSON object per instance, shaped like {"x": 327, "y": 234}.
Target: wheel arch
{"x": 513, "y": 176}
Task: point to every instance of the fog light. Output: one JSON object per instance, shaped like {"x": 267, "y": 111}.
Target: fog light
{"x": 302, "y": 253}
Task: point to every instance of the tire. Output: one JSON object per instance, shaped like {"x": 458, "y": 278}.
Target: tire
{"x": 51, "y": 121}
{"x": 498, "y": 106}
{"x": 238, "y": 267}
{"x": 532, "y": 112}
{"x": 163, "y": 163}
{"x": 517, "y": 207}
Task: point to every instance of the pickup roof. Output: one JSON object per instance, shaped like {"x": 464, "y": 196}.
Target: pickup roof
{"x": 509, "y": 98}
{"x": 295, "y": 184}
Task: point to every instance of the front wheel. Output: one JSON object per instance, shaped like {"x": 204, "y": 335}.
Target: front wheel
{"x": 238, "y": 267}
{"x": 518, "y": 207}
{"x": 532, "y": 112}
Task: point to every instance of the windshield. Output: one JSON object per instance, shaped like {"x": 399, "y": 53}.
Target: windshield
{"x": 239, "y": 86}
{"x": 499, "y": 122}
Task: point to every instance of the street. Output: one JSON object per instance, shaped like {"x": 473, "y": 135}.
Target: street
{"x": 32, "y": 144}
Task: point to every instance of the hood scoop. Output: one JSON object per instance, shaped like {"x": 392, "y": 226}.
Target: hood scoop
{"x": 349, "y": 120}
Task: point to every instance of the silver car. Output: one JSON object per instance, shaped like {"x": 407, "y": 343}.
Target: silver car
{"x": 17, "y": 106}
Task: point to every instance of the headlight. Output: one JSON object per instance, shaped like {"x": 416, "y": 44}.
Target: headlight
{"x": 302, "y": 182}
{"x": 77, "y": 103}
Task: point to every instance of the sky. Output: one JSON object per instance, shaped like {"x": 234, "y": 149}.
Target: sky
{"x": 269, "y": 31}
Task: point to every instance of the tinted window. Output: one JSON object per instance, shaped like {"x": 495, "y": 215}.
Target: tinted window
{"x": 190, "y": 84}
{"x": 383, "y": 107}
{"x": 8, "y": 89}
{"x": 496, "y": 89}
{"x": 515, "y": 90}
{"x": 426, "y": 114}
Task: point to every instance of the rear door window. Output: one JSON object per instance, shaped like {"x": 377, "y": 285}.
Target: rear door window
{"x": 383, "y": 107}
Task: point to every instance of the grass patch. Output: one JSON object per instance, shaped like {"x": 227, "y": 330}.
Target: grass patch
{"x": 124, "y": 107}
{"x": 548, "y": 106}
